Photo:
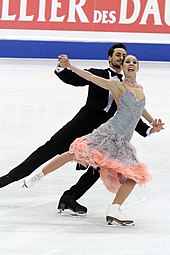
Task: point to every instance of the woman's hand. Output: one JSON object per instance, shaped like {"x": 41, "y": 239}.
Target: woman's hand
{"x": 157, "y": 125}
{"x": 63, "y": 61}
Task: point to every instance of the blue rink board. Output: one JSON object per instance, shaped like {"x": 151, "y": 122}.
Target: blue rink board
{"x": 79, "y": 50}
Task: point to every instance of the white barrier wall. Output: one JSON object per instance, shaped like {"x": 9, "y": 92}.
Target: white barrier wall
{"x": 84, "y": 28}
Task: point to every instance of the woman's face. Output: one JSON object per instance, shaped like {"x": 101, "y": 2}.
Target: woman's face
{"x": 130, "y": 66}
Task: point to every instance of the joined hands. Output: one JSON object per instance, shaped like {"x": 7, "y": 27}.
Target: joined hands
{"x": 63, "y": 61}
{"x": 157, "y": 125}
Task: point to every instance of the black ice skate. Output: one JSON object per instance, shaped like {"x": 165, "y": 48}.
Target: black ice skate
{"x": 69, "y": 205}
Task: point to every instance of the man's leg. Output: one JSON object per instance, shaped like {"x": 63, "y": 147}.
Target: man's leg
{"x": 36, "y": 159}
{"x": 56, "y": 145}
{"x": 83, "y": 123}
{"x": 69, "y": 197}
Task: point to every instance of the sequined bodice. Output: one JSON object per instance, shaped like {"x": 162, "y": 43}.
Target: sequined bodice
{"x": 128, "y": 114}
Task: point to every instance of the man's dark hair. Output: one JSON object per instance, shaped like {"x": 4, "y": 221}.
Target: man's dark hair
{"x": 115, "y": 46}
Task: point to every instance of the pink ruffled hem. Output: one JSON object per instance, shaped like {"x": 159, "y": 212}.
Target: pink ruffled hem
{"x": 112, "y": 171}
{"x": 114, "y": 174}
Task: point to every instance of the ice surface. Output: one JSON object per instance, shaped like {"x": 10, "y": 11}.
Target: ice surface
{"x": 34, "y": 104}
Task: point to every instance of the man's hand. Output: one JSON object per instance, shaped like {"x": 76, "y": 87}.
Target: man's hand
{"x": 63, "y": 61}
{"x": 157, "y": 126}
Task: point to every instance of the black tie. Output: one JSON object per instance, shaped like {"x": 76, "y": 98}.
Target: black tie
{"x": 119, "y": 75}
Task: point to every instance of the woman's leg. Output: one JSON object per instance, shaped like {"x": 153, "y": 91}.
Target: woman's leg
{"x": 114, "y": 213}
{"x": 54, "y": 164}
{"x": 57, "y": 162}
{"x": 124, "y": 191}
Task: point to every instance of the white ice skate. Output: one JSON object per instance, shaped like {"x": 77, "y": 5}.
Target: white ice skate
{"x": 32, "y": 179}
{"x": 115, "y": 215}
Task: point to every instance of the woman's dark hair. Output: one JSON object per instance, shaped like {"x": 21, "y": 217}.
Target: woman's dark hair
{"x": 115, "y": 46}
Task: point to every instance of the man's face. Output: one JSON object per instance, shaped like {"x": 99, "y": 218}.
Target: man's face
{"x": 116, "y": 60}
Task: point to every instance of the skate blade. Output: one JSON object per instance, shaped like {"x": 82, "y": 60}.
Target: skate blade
{"x": 116, "y": 222}
{"x": 70, "y": 213}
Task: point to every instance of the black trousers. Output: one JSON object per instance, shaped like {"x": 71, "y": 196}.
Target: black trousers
{"x": 84, "y": 183}
{"x": 83, "y": 123}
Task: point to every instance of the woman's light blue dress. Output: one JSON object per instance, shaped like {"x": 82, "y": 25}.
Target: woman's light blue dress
{"x": 109, "y": 147}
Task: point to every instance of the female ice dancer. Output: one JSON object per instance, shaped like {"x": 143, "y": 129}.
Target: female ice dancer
{"x": 108, "y": 146}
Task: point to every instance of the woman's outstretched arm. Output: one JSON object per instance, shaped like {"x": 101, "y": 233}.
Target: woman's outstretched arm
{"x": 104, "y": 83}
{"x": 112, "y": 85}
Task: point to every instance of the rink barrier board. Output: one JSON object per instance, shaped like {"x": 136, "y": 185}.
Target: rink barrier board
{"x": 79, "y": 50}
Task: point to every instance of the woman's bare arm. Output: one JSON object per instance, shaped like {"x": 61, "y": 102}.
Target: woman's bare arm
{"x": 113, "y": 85}
{"x": 157, "y": 124}
{"x": 147, "y": 116}
{"x": 104, "y": 83}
